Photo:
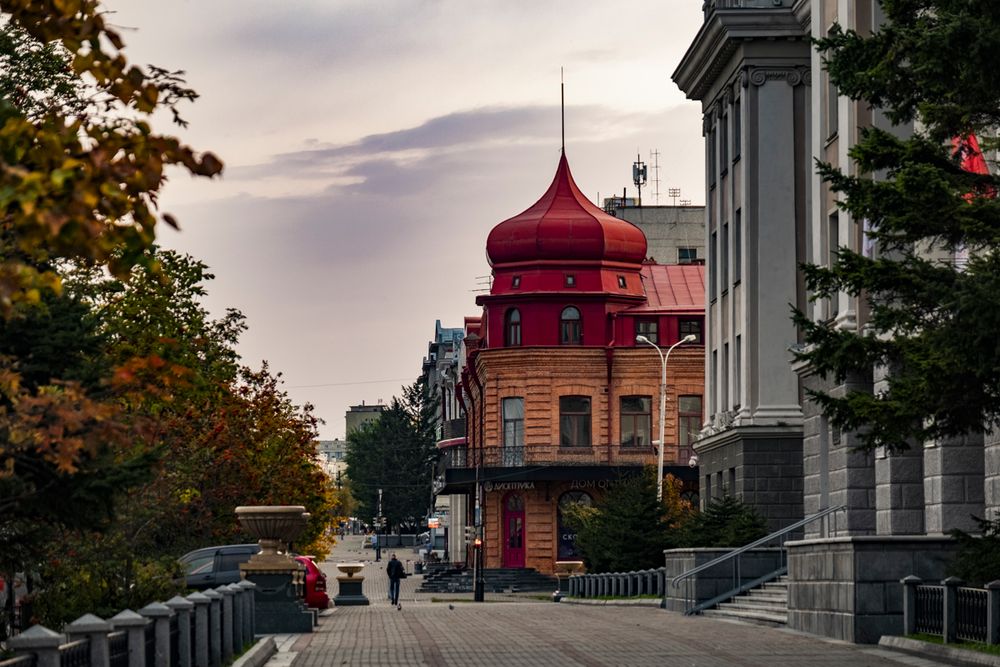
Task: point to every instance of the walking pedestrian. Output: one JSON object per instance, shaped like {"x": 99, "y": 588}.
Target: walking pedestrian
{"x": 396, "y": 572}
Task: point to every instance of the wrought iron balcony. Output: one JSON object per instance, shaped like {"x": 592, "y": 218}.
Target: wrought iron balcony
{"x": 549, "y": 455}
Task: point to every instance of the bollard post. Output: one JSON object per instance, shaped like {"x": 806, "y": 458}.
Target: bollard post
{"x": 214, "y": 628}
{"x": 134, "y": 626}
{"x": 910, "y": 584}
{"x": 182, "y": 608}
{"x": 226, "y": 622}
{"x": 41, "y": 641}
{"x": 951, "y": 585}
{"x": 96, "y": 630}
{"x": 202, "y": 642}
{"x": 159, "y": 614}
{"x": 993, "y": 612}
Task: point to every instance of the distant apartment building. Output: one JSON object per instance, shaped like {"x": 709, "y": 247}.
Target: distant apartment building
{"x": 359, "y": 415}
{"x": 331, "y": 454}
{"x": 674, "y": 234}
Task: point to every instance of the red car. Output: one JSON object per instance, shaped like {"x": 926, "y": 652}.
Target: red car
{"x": 315, "y": 584}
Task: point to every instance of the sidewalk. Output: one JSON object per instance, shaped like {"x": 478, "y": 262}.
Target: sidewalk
{"x": 521, "y": 631}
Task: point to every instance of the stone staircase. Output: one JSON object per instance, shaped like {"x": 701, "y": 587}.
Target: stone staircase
{"x": 498, "y": 580}
{"x": 764, "y": 605}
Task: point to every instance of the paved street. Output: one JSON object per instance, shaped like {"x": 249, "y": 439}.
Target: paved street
{"x": 516, "y": 631}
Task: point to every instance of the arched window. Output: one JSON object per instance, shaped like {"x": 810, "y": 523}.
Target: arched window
{"x": 569, "y": 326}
{"x": 513, "y": 328}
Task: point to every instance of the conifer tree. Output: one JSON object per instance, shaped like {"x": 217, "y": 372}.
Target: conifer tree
{"x": 932, "y": 323}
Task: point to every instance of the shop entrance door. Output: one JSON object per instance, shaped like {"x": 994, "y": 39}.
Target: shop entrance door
{"x": 513, "y": 538}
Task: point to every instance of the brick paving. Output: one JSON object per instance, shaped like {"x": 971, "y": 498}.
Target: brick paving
{"x": 507, "y": 630}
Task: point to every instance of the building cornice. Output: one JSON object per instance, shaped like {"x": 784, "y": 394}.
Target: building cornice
{"x": 721, "y": 35}
{"x": 729, "y": 436}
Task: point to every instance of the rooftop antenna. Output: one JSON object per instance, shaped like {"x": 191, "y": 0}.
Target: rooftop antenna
{"x": 654, "y": 157}
{"x": 639, "y": 176}
{"x": 562, "y": 108}
{"x": 674, "y": 193}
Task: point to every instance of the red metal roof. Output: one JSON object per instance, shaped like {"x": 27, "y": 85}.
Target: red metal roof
{"x": 673, "y": 287}
{"x": 564, "y": 224}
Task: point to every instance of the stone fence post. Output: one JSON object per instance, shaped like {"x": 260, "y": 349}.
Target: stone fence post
{"x": 249, "y": 628}
{"x": 910, "y": 584}
{"x": 951, "y": 585}
{"x": 135, "y": 627}
{"x": 41, "y": 641}
{"x": 202, "y": 642}
{"x": 214, "y": 627}
{"x": 227, "y": 621}
{"x": 96, "y": 630}
{"x": 237, "y": 634}
{"x": 993, "y": 612}
{"x": 160, "y": 614}
{"x": 182, "y": 607}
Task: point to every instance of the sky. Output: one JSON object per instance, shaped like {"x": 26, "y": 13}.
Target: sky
{"x": 371, "y": 145}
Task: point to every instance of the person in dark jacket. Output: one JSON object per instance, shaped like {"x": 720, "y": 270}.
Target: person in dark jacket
{"x": 395, "y": 571}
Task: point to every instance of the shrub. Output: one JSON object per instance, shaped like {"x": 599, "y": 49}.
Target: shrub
{"x": 978, "y": 559}
{"x": 725, "y": 522}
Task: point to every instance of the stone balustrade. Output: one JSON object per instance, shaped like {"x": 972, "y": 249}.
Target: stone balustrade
{"x": 203, "y": 629}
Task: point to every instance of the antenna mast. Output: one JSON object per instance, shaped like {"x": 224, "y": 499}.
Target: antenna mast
{"x": 654, "y": 157}
{"x": 562, "y": 108}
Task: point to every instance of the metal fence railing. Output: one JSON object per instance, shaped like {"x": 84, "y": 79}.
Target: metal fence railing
{"x": 952, "y": 610}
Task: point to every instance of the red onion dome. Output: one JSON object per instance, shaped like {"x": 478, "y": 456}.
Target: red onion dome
{"x": 565, "y": 225}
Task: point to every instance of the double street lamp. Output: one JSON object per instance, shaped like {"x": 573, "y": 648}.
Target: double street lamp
{"x": 690, "y": 338}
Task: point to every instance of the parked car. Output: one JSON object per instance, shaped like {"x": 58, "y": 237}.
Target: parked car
{"x": 216, "y": 566}
{"x": 315, "y": 590}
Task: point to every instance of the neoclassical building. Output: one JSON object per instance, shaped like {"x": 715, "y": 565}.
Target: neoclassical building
{"x": 770, "y": 112}
{"x": 560, "y": 402}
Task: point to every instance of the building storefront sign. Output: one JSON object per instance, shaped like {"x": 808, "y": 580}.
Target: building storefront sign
{"x": 508, "y": 486}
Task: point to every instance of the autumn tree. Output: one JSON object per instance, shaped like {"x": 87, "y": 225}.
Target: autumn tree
{"x": 932, "y": 321}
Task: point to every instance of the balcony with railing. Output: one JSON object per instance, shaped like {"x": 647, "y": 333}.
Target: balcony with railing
{"x": 493, "y": 456}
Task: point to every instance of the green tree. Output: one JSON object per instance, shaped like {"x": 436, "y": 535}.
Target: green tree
{"x": 395, "y": 453}
{"x": 628, "y": 529}
{"x": 931, "y": 324}
{"x": 725, "y": 522}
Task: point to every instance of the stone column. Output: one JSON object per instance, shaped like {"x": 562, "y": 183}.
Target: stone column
{"x": 96, "y": 630}
{"x": 41, "y": 641}
{"x": 202, "y": 642}
{"x": 160, "y": 615}
{"x": 993, "y": 612}
{"x": 183, "y": 607}
{"x": 135, "y": 627}
{"x": 991, "y": 451}
{"x": 953, "y": 483}
{"x": 214, "y": 627}
{"x": 227, "y": 621}
{"x": 899, "y": 492}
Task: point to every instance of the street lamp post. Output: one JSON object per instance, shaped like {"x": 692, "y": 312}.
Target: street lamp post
{"x": 690, "y": 338}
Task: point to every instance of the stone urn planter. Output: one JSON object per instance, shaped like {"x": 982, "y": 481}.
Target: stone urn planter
{"x": 350, "y": 586}
{"x": 564, "y": 570}
{"x": 278, "y": 605}
{"x": 274, "y": 526}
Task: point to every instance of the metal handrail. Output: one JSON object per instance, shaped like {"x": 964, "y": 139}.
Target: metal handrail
{"x": 753, "y": 545}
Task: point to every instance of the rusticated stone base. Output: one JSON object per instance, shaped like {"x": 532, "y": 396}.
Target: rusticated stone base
{"x": 848, "y": 587}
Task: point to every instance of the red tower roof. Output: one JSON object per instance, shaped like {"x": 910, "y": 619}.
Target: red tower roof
{"x": 565, "y": 225}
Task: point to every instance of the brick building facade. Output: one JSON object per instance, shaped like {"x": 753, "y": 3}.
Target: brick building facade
{"x": 560, "y": 401}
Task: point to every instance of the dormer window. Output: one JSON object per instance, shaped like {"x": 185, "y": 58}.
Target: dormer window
{"x": 512, "y": 328}
{"x": 569, "y": 326}
{"x": 621, "y": 282}
{"x": 515, "y": 282}
{"x": 570, "y": 280}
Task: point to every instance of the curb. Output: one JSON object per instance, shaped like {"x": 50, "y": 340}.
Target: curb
{"x": 616, "y": 603}
{"x": 929, "y": 650}
{"x": 258, "y": 654}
